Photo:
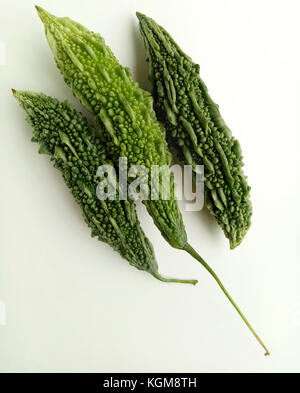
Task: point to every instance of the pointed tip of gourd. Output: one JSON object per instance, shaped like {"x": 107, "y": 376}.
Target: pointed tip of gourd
{"x": 20, "y": 95}
{"x": 144, "y": 20}
{"x": 16, "y": 93}
{"x": 140, "y": 16}
{"x": 232, "y": 244}
{"x": 43, "y": 14}
{"x": 39, "y": 9}
{"x": 236, "y": 238}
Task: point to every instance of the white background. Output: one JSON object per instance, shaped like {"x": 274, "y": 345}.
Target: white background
{"x": 72, "y": 304}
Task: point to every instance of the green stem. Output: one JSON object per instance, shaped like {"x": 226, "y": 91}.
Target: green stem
{"x": 165, "y": 279}
{"x": 194, "y": 254}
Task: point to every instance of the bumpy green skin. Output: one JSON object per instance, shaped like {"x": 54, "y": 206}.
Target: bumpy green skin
{"x": 195, "y": 127}
{"x": 108, "y": 91}
{"x": 76, "y": 152}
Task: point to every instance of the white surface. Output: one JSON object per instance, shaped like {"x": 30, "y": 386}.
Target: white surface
{"x": 72, "y": 304}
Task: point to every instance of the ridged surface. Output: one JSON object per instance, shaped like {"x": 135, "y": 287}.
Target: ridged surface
{"x": 195, "y": 127}
{"x": 65, "y": 136}
{"x": 76, "y": 152}
{"x": 108, "y": 91}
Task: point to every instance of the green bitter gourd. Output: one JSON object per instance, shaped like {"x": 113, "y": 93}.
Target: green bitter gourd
{"x": 121, "y": 108}
{"x": 195, "y": 127}
{"x": 65, "y": 135}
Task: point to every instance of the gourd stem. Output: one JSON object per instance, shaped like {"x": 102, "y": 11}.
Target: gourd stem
{"x": 194, "y": 254}
{"x": 165, "y": 279}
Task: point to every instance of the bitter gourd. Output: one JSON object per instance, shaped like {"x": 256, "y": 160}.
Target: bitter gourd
{"x": 195, "y": 127}
{"x": 108, "y": 91}
{"x": 65, "y": 135}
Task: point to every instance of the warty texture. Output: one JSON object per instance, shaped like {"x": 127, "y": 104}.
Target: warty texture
{"x": 195, "y": 127}
{"x": 125, "y": 110}
{"x": 77, "y": 152}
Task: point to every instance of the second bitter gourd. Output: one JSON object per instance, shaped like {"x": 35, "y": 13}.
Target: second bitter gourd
{"x": 195, "y": 127}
